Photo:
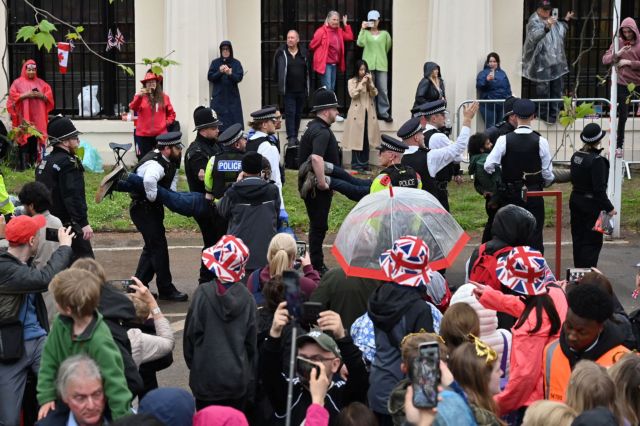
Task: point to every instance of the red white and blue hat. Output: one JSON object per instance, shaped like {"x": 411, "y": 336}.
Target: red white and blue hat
{"x": 523, "y": 270}
{"x": 227, "y": 259}
{"x": 407, "y": 262}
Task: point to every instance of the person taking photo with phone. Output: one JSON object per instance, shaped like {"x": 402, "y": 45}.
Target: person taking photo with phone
{"x": 23, "y": 313}
{"x": 316, "y": 347}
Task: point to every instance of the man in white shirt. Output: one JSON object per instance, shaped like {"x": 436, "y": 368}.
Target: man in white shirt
{"x": 432, "y": 151}
{"x": 156, "y": 168}
{"x": 525, "y": 160}
{"x": 264, "y": 123}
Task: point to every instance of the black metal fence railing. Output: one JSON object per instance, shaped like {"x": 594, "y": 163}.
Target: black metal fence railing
{"x": 305, "y": 16}
{"x": 107, "y": 89}
{"x": 597, "y": 32}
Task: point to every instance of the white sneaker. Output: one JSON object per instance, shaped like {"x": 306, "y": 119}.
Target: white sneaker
{"x": 339, "y": 119}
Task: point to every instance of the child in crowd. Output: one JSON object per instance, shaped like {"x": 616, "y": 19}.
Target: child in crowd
{"x": 590, "y": 387}
{"x": 486, "y": 184}
{"x": 220, "y": 330}
{"x": 80, "y": 329}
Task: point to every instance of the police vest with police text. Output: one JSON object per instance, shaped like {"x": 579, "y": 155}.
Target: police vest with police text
{"x": 226, "y": 168}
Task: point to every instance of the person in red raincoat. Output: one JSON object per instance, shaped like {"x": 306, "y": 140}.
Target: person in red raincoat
{"x": 30, "y": 100}
{"x": 155, "y": 113}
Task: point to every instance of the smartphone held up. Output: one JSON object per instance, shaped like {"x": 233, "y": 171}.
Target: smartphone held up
{"x": 425, "y": 375}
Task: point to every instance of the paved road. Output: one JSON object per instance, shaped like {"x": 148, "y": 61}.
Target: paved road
{"x": 119, "y": 253}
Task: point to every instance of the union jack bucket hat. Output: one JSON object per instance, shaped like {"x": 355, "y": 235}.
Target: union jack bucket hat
{"x": 227, "y": 259}
{"x": 523, "y": 270}
{"x": 407, "y": 262}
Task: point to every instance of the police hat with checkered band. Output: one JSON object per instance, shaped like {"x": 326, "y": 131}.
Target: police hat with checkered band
{"x": 592, "y": 133}
{"x": 61, "y": 128}
{"x": 169, "y": 139}
{"x": 231, "y": 135}
{"x": 392, "y": 144}
{"x": 204, "y": 117}
{"x": 266, "y": 113}
{"x": 410, "y": 128}
{"x": 430, "y": 108}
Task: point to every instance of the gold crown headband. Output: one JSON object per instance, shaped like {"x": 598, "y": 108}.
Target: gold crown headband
{"x": 482, "y": 349}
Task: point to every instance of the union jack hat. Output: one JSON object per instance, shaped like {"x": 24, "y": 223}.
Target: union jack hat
{"x": 523, "y": 270}
{"x": 227, "y": 259}
{"x": 407, "y": 262}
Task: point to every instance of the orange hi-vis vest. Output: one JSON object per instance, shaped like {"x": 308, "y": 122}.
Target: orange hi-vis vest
{"x": 557, "y": 369}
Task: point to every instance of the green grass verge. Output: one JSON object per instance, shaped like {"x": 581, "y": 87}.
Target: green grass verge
{"x": 466, "y": 205}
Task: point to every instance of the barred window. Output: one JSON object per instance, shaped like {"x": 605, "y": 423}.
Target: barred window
{"x": 591, "y": 63}
{"x": 107, "y": 88}
{"x": 305, "y": 16}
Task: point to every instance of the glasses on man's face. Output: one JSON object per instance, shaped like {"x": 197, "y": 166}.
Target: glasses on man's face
{"x": 318, "y": 358}
{"x": 80, "y": 399}
{"x": 31, "y": 67}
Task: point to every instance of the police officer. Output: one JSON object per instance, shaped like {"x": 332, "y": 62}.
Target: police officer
{"x": 196, "y": 158}
{"x": 508, "y": 124}
{"x": 263, "y": 142}
{"x": 526, "y": 165}
{"x": 589, "y": 174}
{"x": 432, "y": 153}
{"x": 157, "y": 168}
{"x": 319, "y": 144}
{"x": 390, "y": 152}
{"x": 62, "y": 172}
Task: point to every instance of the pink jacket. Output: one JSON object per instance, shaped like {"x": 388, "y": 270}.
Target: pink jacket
{"x": 217, "y": 415}
{"x": 320, "y": 47}
{"x": 526, "y": 372}
{"x": 631, "y": 73}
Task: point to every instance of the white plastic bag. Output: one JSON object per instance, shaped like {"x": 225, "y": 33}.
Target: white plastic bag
{"x": 88, "y": 104}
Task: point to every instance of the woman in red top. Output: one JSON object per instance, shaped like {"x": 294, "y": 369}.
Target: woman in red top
{"x": 155, "y": 113}
{"x": 327, "y": 46}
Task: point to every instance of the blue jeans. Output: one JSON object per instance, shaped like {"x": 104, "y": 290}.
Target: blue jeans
{"x": 293, "y": 105}
{"x": 351, "y": 187}
{"x": 184, "y": 203}
{"x": 328, "y": 79}
{"x": 382, "y": 100}
{"x": 491, "y": 113}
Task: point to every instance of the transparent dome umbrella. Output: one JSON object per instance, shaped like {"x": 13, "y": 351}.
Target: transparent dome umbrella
{"x": 380, "y": 218}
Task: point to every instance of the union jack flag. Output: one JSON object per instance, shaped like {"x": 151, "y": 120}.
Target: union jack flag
{"x": 114, "y": 41}
{"x": 407, "y": 262}
{"x": 227, "y": 259}
{"x": 523, "y": 270}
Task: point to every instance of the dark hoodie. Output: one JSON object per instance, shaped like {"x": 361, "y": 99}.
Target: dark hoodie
{"x": 225, "y": 96}
{"x": 426, "y": 91}
{"x": 219, "y": 343}
{"x": 599, "y": 416}
{"x": 252, "y": 206}
{"x": 395, "y": 311}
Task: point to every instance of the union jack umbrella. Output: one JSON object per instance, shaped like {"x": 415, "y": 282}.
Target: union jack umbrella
{"x": 379, "y": 219}
{"x": 523, "y": 270}
{"x": 227, "y": 259}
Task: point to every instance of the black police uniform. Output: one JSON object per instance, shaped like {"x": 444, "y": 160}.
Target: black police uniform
{"x": 195, "y": 159}
{"x": 522, "y": 168}
{"x": 63, "y": 174}
{"x": 418, "y": 161}
{"x": 148, "y": 217}
{"x": 318, "y": 139}
{"x": 500, "y": 129}
{"x": 589, "y": 175}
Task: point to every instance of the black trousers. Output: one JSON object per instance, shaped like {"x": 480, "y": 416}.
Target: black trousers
{"x": 318, "y": 212}
{"x": 212, "y": 228}
{"x": 586, "y": 243}
{"x": 28, "y": 153}
{"x": 535, "y": 205}
{"x": 81, "y": 248}
{"x": 144, "y": 144}
{"x": 154, "y": 259}
{"x": 623, "y": 113}
{"x": 491, "y": 214}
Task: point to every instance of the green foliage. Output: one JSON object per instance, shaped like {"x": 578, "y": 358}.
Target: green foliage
{"x": 75, "y": 35}
{"x": 24, "y": 128}
{"x": 126, "y": 69}
{"x": 40, "y": 34}
{"x": 570, "y": 112}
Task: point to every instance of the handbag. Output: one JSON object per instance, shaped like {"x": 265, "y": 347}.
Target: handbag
{"x": 11, "y": 340}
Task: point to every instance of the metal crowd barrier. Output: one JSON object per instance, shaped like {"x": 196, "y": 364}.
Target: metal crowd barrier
{"x": 561, "y": 144}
